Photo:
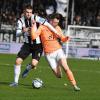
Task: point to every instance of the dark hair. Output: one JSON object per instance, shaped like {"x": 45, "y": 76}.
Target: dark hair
{"x": 55, "y": 15}
{"x": 28, "y": 6}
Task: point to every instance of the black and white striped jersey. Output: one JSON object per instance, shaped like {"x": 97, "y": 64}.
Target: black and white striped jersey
{"x": 23, "y": 22}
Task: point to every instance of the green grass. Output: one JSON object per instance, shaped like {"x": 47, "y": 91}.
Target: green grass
{"x": 86, "y": 72}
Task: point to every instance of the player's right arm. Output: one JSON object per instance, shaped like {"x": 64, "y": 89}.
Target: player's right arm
{"x": 19, "y": 28}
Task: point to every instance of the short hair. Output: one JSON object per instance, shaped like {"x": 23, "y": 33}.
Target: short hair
{"x": 55, "y": 15}
{"x": 28, "y": 6}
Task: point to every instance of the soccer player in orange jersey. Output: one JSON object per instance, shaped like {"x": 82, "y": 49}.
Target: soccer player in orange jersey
{"x": 53, "y": 50}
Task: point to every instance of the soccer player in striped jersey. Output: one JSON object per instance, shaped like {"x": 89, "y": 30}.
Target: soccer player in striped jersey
{"x": 33, "y": 47}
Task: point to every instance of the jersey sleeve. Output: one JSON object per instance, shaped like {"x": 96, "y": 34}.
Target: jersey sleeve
{"x": 40, "y": 20}
{"x": 45, "y": 22}
{"x": 19, "y": 28}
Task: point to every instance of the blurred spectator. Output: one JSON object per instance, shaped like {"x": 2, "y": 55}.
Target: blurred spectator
{"x": 86, "y": 11}
{"x": 97, "y": 21}
{"x": 77, "y": 20}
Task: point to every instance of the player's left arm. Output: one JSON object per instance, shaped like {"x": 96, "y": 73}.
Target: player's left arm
{"x": 64, "y": 38}
{"x": 61, "y": 36}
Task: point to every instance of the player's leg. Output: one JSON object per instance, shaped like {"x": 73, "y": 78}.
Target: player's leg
{"x": 51, "y": 58}
{"x": 67, "y": 70}
{"x": 23, "y": 53}
{"x": 17, "y": 70}
{"x": 69, "y": 74}
{"x": 58, "y": 71}
{"x": 29, "y": 67}
{"x": 36, "y": 55}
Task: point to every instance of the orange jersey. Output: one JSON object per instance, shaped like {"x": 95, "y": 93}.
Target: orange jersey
{"x": 48, "y": 38}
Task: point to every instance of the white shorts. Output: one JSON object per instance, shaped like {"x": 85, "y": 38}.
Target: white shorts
{"x": 54, "y": 57}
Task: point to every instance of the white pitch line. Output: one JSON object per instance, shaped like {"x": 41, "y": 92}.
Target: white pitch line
{"x": 90, "y": 71}
{"x": 7, "y": 64}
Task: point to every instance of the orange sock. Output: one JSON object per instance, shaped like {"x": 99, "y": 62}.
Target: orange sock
{"x": 71, "y": 77}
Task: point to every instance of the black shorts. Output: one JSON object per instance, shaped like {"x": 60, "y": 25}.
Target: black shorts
{"x": 27, "y": 49}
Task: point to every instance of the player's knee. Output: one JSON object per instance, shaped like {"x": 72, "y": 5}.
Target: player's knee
{"x": 18, "y": 61}
{"x": 34, "y": 63}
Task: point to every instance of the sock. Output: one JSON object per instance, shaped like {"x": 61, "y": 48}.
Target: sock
{"x": 71, "y": 77}
{"x": 17, "y": 70}
{"x": 29, "y": 67}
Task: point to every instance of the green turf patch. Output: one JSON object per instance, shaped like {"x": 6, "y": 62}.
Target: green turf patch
{"x": 87, "y": 74}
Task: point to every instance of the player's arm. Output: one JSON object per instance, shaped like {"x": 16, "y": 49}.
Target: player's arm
{"x": 64, "y": 38}
{"x": 19, "y": 28}
{"x": 45, "y": 22}
{"x": 35, "y": 34}
{"x": 61, "y": 36}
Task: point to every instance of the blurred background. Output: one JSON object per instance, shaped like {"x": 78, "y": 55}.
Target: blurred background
{"x": 72, "y": 12}
{"x": 82, "y": 12}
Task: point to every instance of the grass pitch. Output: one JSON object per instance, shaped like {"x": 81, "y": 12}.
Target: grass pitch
{"x": 86, "y": 72}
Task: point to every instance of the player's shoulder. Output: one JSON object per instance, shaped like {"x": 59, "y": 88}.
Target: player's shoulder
{"x": 43, "y": 26}
{"x": 21, "y": 19}
{"x": 58, "y": 27}
{"x": 33, "y": 16}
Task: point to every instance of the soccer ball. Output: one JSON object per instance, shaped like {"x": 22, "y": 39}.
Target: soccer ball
{"x": 37, "y": 83}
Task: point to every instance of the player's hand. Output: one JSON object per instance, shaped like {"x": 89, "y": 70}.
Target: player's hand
{"x": 28, "y": 30}
{"x": 25, "y": 29}
{"x": 66, "y": 39}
